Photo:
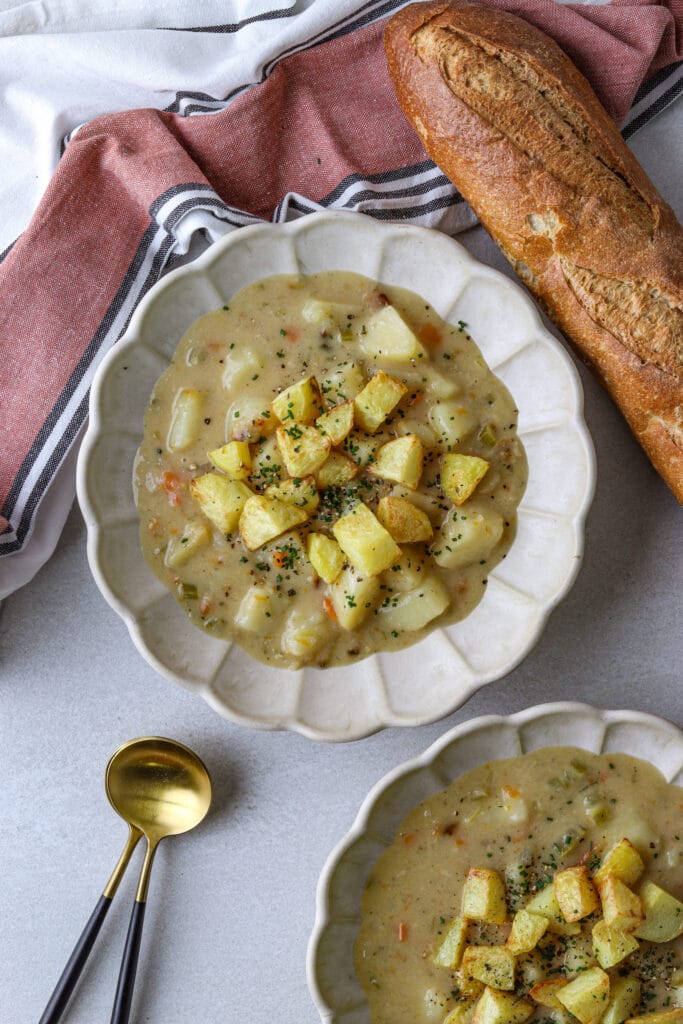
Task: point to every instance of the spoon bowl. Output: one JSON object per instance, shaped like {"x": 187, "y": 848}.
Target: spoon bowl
{"x": 159, "y": 786}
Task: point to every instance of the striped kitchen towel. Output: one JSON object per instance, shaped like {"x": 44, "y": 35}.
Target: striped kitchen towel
{"x": 321, "y": 130}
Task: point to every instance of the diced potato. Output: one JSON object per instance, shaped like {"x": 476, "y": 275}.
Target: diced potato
{"x": 432, "y": 504}
{"x": 526, "y": 930}
{"x": 467, "y": 986}
{"x": 575, "y": 893}
{"x": 514, "y": 804}
{"x": 303, "y": 633}
{"x": 406, "y": 523}
{"x": 545, "y": 903}
{"x": 249, "y": 418}
{"x": 624, "y": 999}
{"x": 365, "y": 542}
{"x": 452, "y": 423}
{"x": 221, "y": 500}
{"x": 267, "y": 461}
{"x": 329, "y": 316}
{"x": 303, "y": 449}
{"x": 388, "y": 336}
{"x": 612, "y": 945}
{"x": 412, "y": 425}
{"x": 429, "y": 380}
{"x": 234, "y": 458}
{"x": 545, "y": 992}
{"x": 361, "y": 447}
{"x": 621, "y": 907}
{"x": 373, "y": 404}
{"x": 300, "y": 403}
{"x": 663, "y": 914}
{"x": 493, "y": 965}
{"x": 337, "y": 423}
{"x": 586, "y": 996}
{"x": 337, "y": 469}
{"x": 239, "y": 367}
{"x": 578, "y": 955}
{"x": 623, "y": 861}
{"x": 461, "y": 1013}
{"x": 449, "y": 953}
{"x": 664, "y": 1017}
{"x": 263, "y": 519}
{"x": 255, "y": 612}
{"x": 301, "y": 491}
{"x": 353, "y": 597}
{"x": 466, "y": 537}
{"x": 325, "y": 556}
{"x": 496, "y": 1007}
{"x": 195, "y": 536}
{"x": 342, "y": 383}
{"x": 187, "y": 417}
{"x": 483, "y": 896}
{"x": 414, "y": 609}
{"x": 460, "y": 476}
{"x": 400, "y": 460}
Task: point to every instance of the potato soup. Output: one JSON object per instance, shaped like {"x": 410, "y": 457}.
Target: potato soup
{"x": 544, "y": 887}
{"x": 328, "y": 469}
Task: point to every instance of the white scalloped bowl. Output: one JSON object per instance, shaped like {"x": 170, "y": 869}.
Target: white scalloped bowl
{"x": 331, "y": 977}
{"x": 353, "y": 701}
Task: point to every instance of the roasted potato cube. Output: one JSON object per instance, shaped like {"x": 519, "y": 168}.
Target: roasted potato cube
{"x": 380, "y": 395}
{"x": 365, "y": 542}
{"x": 255, "y": 612}
{"x": 586, "y": 996}
{"x": 337, "y": 423}
{"x": 303, "y": 448}
{"x": 187, "y": 417}
{"x": 665, "y": 1017}
{"x": 300, "y": 491}
{"x": 621, "y": 907}
{"x": 406, "y": 523}
{"x": 337, "y": 469}
{"x": 575, "y": 893}
{"x": 221, "y": 500}
{"x": 612, "y": 945}
{"x": 493, "y": 965}
{"x": 413, "y": 609}
{"x": 400, "y": 460}
{"x": 663, "y": 914}
{"x": 234, "y": 458}
{"x": 624, "y": 999}
{"x": 361, "y": 447}
{"x": 495, "y": 1007}
{"x": 545, "y": 903}
{"x": 466, "y": 537}
{"x": 452, "y": 423}
{"x": 353, "y": 597}
{"x": 449, "y": 953}
{"x": 461, "y": 1013}
{"x": 545, "y": 992}
{"x": 195, "y": 536}
{"x": 526, "y": 930}
{"x": 623, "y": 861}
{"x": 483, "y": 896}
{"x": 388, "y": 336}
{"x": 263, "y": 519}
{"x": 461, "y": 475}
{"x": 325, "y": 556}
{"x": 300, "y": 403}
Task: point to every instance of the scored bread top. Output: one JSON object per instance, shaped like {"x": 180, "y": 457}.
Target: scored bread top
{"x": 510, "y": 119}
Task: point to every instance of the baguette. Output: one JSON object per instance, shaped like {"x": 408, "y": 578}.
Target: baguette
{"x": 512, "y": 122}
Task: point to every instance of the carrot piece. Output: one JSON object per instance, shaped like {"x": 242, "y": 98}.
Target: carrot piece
{"x": 429, "y": 334}
{"x": 328, "y": 608}
{"x": 402, "y": 931}
{"x": 279, "y": 559}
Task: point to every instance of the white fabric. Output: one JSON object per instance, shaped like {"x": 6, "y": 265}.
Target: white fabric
{"x": 64, "y": 62}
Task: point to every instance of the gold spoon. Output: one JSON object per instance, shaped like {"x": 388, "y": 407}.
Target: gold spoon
{"x": 160, "y": 788}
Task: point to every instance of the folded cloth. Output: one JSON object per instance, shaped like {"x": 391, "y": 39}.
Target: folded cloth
{"x": 323, "y": 130}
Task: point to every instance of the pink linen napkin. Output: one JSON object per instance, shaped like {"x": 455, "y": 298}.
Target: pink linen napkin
{"x": 323, "y": 130}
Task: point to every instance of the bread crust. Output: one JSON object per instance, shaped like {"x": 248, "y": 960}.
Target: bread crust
{"x": 513, "y": 123}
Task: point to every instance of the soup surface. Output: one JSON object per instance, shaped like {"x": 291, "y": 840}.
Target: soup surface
{"x": 525, "y": 820}
{"x": 328, "y": 469}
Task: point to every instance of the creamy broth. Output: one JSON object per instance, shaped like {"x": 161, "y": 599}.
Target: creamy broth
{"x": 524, "y": 818}
{"x": 227, "y": 371}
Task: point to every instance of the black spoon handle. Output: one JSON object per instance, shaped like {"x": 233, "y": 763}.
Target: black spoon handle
{"x": 124, "y": 989}
{"x": 65, "y": 986}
